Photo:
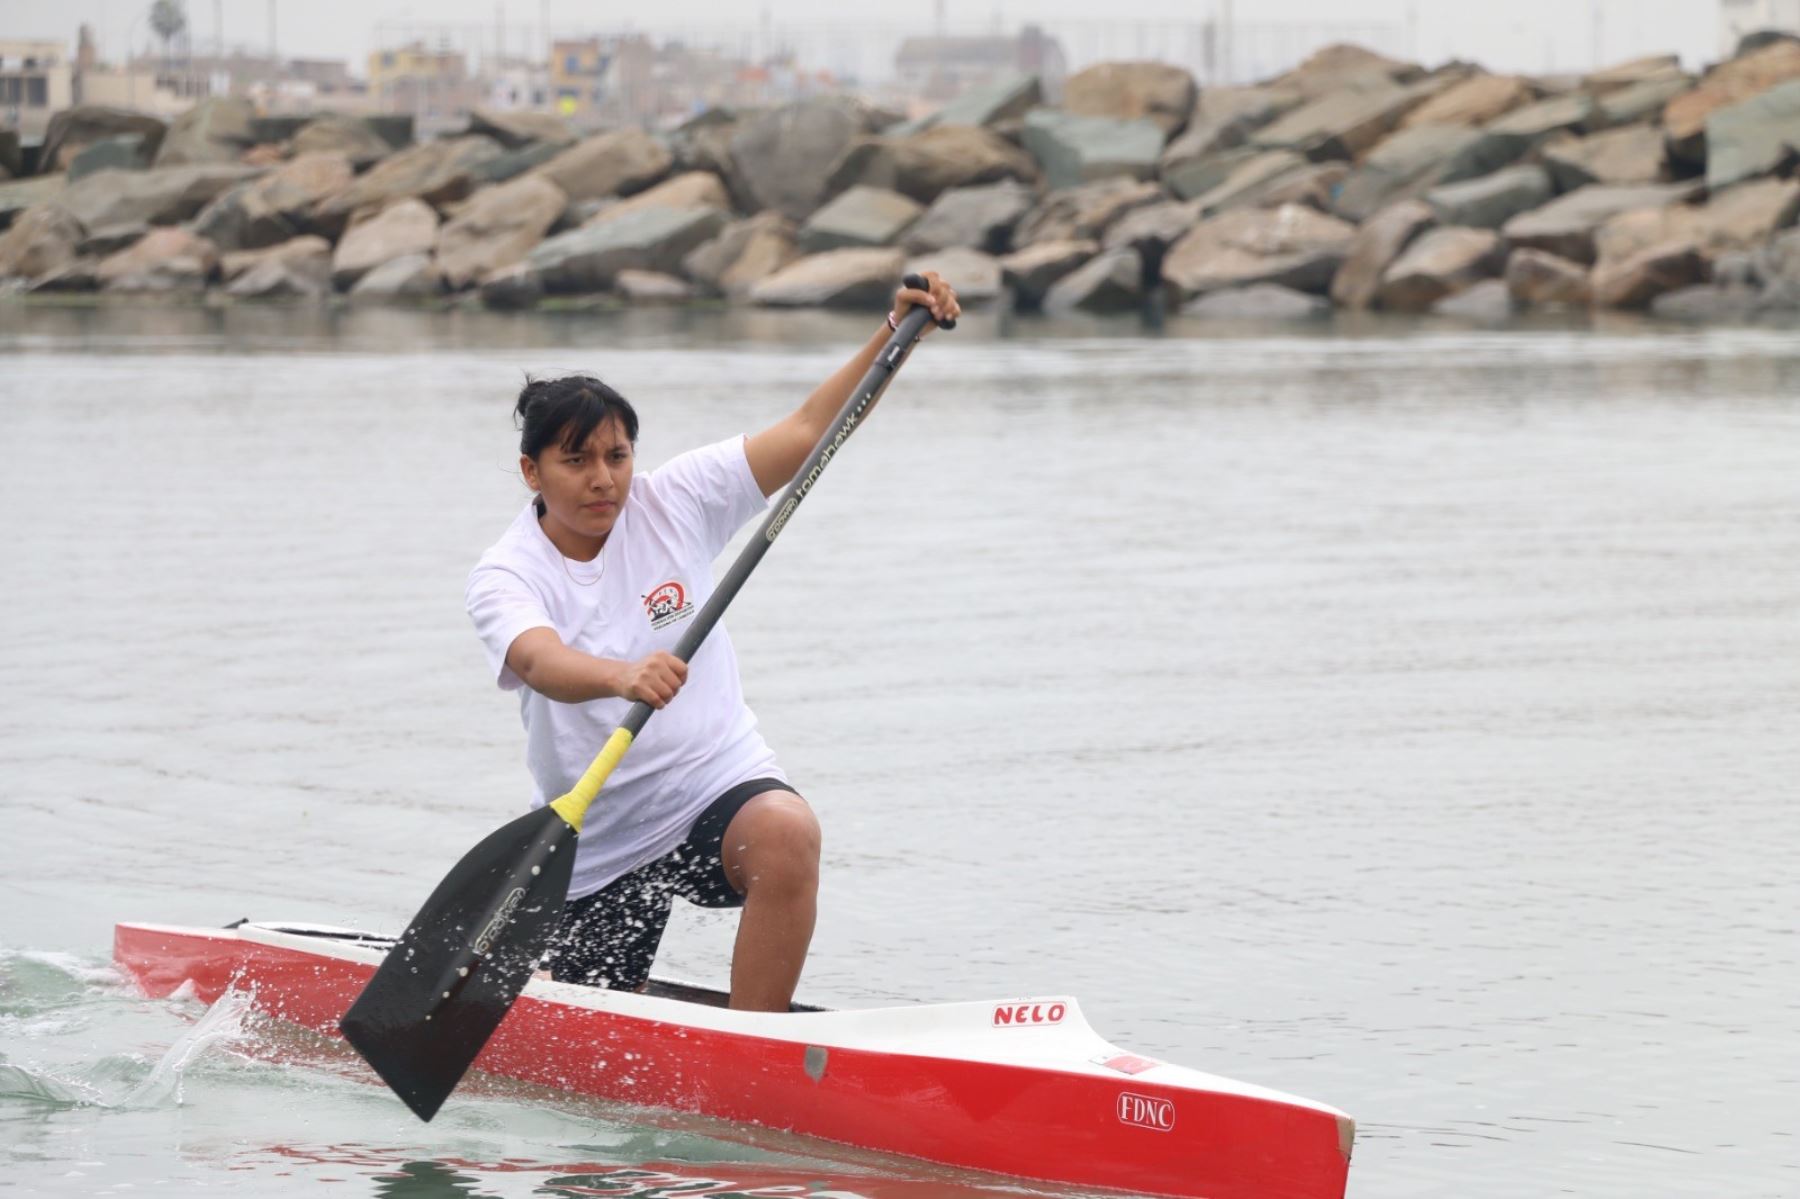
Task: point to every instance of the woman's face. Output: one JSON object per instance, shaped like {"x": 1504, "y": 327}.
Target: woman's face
{"x": 583, "y": 489}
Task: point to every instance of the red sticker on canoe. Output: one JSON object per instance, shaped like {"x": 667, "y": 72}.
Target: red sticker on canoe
{"x": 1127, "y": 1063}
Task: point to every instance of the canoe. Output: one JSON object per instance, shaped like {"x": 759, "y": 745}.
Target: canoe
{"x": 1020, "y": 1087}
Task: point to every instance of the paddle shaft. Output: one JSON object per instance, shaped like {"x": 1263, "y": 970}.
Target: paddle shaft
{"x": 574, "y": 805}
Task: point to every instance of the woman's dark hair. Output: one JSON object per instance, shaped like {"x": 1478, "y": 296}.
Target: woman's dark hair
{"x": 566, "y": 411}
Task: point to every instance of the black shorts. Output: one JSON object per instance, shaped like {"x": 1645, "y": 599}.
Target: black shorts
{"x": 608, "y": 939}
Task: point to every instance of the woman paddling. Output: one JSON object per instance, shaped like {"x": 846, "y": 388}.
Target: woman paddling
{"x": 578, "y": 606}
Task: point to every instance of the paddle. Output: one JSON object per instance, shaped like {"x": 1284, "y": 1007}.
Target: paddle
{"x": 454, "y": 973}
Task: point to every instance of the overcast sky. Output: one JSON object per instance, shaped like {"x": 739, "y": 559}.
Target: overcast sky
{"x": 1526, "y": 35}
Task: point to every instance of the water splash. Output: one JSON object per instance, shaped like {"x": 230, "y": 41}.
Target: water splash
{"x": 223, "y": 1024}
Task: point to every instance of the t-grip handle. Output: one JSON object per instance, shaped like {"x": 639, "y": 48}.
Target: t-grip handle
{"x": 918, "y": 281}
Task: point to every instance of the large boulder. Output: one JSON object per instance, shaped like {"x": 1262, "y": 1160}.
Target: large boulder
{"x": 1376, "y": 245}
{"x": 1112, "y": 281}
{"x": 1341, "y": 66}
{"x": 405, "y": 227}
{"x": 691, "y": 189}
{"x": 43, "y": 240}
{"x": 1293, "y": 246}
{"x": 1083, "y": 213}
{"x": 1073, "y": 150}
{"x": 298, "y": 270}
{"x": 1344, "y": 124}
{"x": 1222, "y": 121}
{"x": 1728, "y": 84}
{"x": 110, "y": 239}
{"x": 975, "y": 275}
{"x": 215, "y": 131}
{"x": 511, "y": 289}
{"x": 651, "y": 239}
{"x": 925, "y": 165}
{"x": 300, "y": 251}
{"x": 348, "y": 137}
{"x": 157, "y": 197}
{"x": 1252, "y": 180}
{"x": 979, "y": 218}
{"x": 646, "y": 288}
{"x": 1031, "y": 272}
{"x": 408, "y": 279}
{"x": 1403, "y": 166}
{"x": 1566, "y": 226}
{"x": 1152, "y": 229}
{"x": 22, "y": 194}
{"x": 1757, "y": 137}
{"x": 862, "y": 216}
{"x": 1158, "y": 92}
{"x": 1440, "y": 263}
{"x": 75, "y": 129}
{"x": 1634, "y": 282}
{"x": 1640, "y": 102}
{"x": 435, "y": 173}
{"x": 1492, "y": 200}
{"x": 163, "y": 260}
{"x": 863, "y": 278}
{"x": 1738, "y": 219}
{"x": 1006, "y": 98}
{"x": 743, "y": 254}
{"x": 120, "y": 152}
{"x": 1705, "y": 302}
{"x": 611, "y": 164}
{"x": 1475, "y": 101}
{"x": 1191, "y": 178}
{"x": 515, "y": 129}
{"x": 497, "y": 227}
{"x": 1260, "y": 302}
{"x": 273, "y": 208}
{"x": 1631, "y": 154}
{"x": 786, "y": 156}
{"x": 1486, "y": 301}
{"x": 1535, "y": 122}
{"x": 1535, "y": 279}
{"x": 1635, "y": 71}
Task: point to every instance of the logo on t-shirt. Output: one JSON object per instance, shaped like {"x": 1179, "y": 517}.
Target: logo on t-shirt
{"x": 668, "y": 603}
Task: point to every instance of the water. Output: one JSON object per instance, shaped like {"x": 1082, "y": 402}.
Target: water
{"x": 1402, "y": 716}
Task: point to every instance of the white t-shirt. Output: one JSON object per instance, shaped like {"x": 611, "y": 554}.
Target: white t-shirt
{"x": 638, "y": 595}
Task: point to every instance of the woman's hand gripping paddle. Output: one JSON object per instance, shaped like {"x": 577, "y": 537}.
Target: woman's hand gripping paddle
{"x": 454, "y": 973}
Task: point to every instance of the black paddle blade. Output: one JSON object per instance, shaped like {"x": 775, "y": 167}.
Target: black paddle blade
{"x": 454, "y": 973}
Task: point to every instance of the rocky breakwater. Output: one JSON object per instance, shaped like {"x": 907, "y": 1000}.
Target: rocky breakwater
{"x": 1353, "y": 182}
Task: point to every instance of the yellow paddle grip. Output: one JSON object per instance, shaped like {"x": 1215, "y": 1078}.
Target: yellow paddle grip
{"x": 573, "y": 806}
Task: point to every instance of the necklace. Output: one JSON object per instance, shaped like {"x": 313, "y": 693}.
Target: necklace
{"x": 582, "y": 582}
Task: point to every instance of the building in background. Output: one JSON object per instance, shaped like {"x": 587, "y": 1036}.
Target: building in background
{"x": 433, "y": 85}
{"x": 942, "y": 68}
{"x": 37, "y": 80}
{"x": 1739, "y": 18}
{"x": 576, "y": 68}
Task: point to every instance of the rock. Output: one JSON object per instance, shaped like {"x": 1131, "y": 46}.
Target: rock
{"x": 77, "y": 275}
{"x": 707, "y": 147}
{"x": 1292, "y": 246}
{"x": 1113, "y": 281}
{"x": 213, "y": 132}
{"x": 410, "y": 278}
{"x": 1636, "y": 281}
{"x": 42, "y": 240}
{"x": 1376, "y": 245}
{"x": 1344, "y": 124}
{"x": 272, "y": 208}
{"x": 1342, "y": 65}
{"x": 163, "y": 260}
{"x": 300, "y": 252}
{"x": 510, "y": 164}
{"x": 1263, "y": 302}
{"x": 406, "y": 227}
{"x": 785, "y": 156}
{"x": 651, "y": 239}
{"x": 692, "y": 189}
{"x": 979, "y": 218}
{"x": 1315, "y": 185}
{"x": 1757, "y": 137}
{"x": 1777, "y": 264}
{"x": 1486, "y": 301}
{"x": 1491, "y": 201}
{"x": 984, "y": 105}
{"x": 1160, "y": 93}
{"x": 1031, "y": 272}
{"x": 1083, "y": 213}
{"x": 1403, "y": 166}
{"x": 1251, "y": 181}
{"x": 651, "y": 287}
{"x": 975, "y": 275}
{"x": 744, "y": 253}
{"x": 285, "y": 277}
{"x": 612, "y": 164}
{"x": 1475, "y": 101}
{"x": 18, "y": 196}
{"x": 345, "y": 136}
{"x": 511, "y": 289}
{"x": 1728, "y": 84}
{"x": 1439, "y": 263}
{"x": 74, "y": 129}
{"x": 1195, "y": 162}
{"x": 155, "y": 197}
{"x": 1075, "y": 150}
{"x": 1535, "y": 279}
{"x": 1152, "y": 229}
{"x": 1749, "y": 214}
{"x": 1640, "y": 102}
{"x": 517, "y": 129}
{"x": 1566, "y": 226}
{"x": 925, "y": 165}
{"x": 276, "y": 130}
{"x": 1633, "y": 154}
{"x": 1736, "y": 269}
{"x": 110, "y": 239}
{"x": 1705, "y": 302}
{"x": 862, "y": 216}
{"x": 1192, "y": 178}
{"x": 1625, "y": 74}
{"x": 864, "y": 278}
{"x": 497, "y": 227}
{"x": 436, "y": 173}
{"x": 1558, "y": 114}
{"x": 121, "y": 152}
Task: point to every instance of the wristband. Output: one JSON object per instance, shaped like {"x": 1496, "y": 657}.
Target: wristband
{"x": 892, "y": 323}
